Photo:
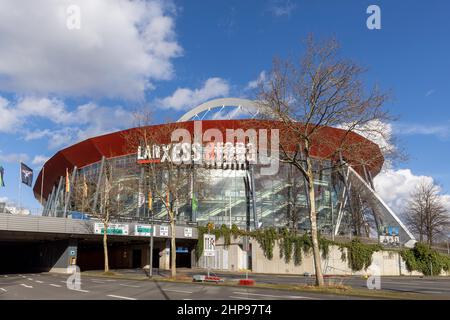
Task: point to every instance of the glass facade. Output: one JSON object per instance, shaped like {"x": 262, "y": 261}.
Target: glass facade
{"x": 223, "y": 196}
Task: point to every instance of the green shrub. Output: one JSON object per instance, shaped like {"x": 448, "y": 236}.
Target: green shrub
{"x": 423, "y": 259}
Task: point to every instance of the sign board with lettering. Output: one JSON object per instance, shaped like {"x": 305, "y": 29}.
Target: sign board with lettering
{"x": 164, "y": 231}
{"x": 390, "y": 241}
{"x": 188, "y": 232}
{"x": 113, "y": 229}
{"x": 209, "y": 245}
{"x": 144, "y": 230}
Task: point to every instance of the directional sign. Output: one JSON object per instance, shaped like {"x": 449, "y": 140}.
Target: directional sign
{"x": 113, "y": 229}
{"x": 209, "y": 245}
{"x": 188, "y": 232}
{"x": 164, "y": 231}
{"x": 143, "y": 230}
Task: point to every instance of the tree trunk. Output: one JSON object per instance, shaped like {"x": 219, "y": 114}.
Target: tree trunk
{"x": 314, "y": 233}
{"x": 173, "y": 248}
{"x": 105, "y": 245}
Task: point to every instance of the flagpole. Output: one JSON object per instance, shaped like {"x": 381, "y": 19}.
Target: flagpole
{"x": 42, "y": 182}
{"x": 20, "y": 185}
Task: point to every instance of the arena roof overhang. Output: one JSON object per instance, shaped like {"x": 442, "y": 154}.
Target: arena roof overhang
{"x": 116, "y": 144}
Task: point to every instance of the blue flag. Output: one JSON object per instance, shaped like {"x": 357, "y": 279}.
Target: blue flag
{"x": 26, "y": 174}
{"x": 2, "y": 181}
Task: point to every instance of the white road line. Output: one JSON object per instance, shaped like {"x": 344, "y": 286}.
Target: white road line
{"x": 271, "y": 295}
{"x": 55, "y": 285}
{"x": 5, "y": 276}
{"x": 96, "y": 281}
{"x": 110, "y": 280}
{"x": 245, "y": 298}
{"x": 81, "y": 290}
{"x": 180, "y": 291}
{"x": 24, "y": 285}
{"x": 38, "y": 281}
{"x": 129, "y": 285}
{"x": 120, "y": 297}
{"x": 63, "y": 281}
{"x": 30, "y": 279}
{"x": 4, "y": 290}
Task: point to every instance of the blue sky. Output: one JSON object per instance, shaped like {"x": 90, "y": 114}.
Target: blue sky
{"x": 58, "y": 86}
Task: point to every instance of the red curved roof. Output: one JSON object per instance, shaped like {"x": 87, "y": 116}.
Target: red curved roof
{"x": 115, "y": 144}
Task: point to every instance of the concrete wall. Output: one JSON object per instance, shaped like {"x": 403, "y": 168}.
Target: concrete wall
{"x": 389, "y": 263}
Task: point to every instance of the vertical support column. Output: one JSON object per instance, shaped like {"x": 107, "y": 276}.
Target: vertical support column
{"x": 253, "y": 196}
{"x": 140, "y": 191}
{"x": 67, "y": 198}
{"x": 57, "y": 198}
{"x": 48, "y": 203}
{"x": 64, "y": 254}
{"x": 99, "y": 181}
{"x": 164, "y": 259}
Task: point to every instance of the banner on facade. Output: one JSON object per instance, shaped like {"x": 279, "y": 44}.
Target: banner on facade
{"x": 113, "y": 229}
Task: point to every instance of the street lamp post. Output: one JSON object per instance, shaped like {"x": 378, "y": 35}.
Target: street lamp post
{"x": 150, "y": 271}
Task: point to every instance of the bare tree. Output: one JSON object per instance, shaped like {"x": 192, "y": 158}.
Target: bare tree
{"x": 426, "y": 213}
{"x": 322, "y": 91}
{"x": 100, "y": 200}
{"x": 167, "y": 181}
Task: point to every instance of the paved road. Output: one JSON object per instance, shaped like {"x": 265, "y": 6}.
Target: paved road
{"x": 53, "y": 287}
{"x": 425, "y": 285}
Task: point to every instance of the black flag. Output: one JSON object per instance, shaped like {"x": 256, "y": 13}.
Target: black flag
{"x": 26, "y": 174}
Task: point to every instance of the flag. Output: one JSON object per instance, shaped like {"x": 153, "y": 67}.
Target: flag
{"x": 26, "y": 174}
{"x": 2, "y": 172}
{"x": 150, "y": 200}
{"x": 85, "y": 187}
{"x": 194, "y": 203}
{"x": 67, "y": 181}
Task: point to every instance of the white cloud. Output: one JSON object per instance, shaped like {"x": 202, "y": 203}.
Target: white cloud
{"x": 3, "y": 199}
{"x": 83, "y": 122}
{"x": 39, "y": 160}
{"x": 13, "y": 157}
{"x": 395, "y": 187}
{"x": 281, "y": 7}
{"x": 442, "y": 131}
{"x": 121, "y": 47}
{"x": 184, "y": 98}
{"x": 255, "y": 83}
{"x": 429, "y": 92}
{"x": 9, "y": 119}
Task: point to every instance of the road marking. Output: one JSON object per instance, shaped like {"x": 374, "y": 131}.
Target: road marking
{"x": 64, "y": 281}
{"x": 30, "y": 279}
{"x": 271, "y": 295}
{"x": 129, "y": 285}
{"x": 110, "y": 280}
{"x": 24, "y": 285}
{"x": 4, "y": 290}
{"x": 245, "y": 298}
{"x": 96, "y": 281}
{"x": 38, "y": 281}
{"x": 5, "y": 276}
{"x": 55, "y": 285}
{"x": 81, "y": 290}
{"x": 180, "y": 291}
{"x": 120, "y": 297}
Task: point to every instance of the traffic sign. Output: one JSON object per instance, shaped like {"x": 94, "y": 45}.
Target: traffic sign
{"x": 209, "y": 245}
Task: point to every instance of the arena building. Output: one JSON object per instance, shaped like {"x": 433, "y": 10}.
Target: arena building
{"x": 237, "y": 193}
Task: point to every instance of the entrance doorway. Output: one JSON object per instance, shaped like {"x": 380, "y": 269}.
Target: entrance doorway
{"x": 137, "y": 258}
